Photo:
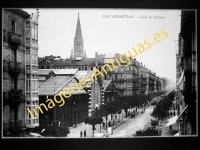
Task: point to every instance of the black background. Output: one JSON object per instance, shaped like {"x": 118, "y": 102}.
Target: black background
{"x": 146, "y": 143}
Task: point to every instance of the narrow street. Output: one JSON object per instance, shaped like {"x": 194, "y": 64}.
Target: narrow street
{"x": 129, "y": 128}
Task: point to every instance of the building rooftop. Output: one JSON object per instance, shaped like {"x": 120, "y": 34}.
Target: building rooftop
{"x": 74, "y": 81}
{"x": 44, "y": 71}
{"x": 106, "y": 83}
{"x": 20, "y": 12}
{"x": 54, "y": 85}
{"x": 61, "y": 71}
{"x": 64, "y": 71}
{"x": 83, "y": 61}
{"x": 82, "y": 74}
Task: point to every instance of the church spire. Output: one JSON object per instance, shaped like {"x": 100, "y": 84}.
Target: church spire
{"x": 78, "y": 27}
{"x": 78, "y": 50}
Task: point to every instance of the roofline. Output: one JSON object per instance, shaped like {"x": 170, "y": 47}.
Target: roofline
{"x": 19, "y": 12}
{"x": 69, "y": 80}
{"x": 78, "y": 82}
{"x": 66, "y": 98}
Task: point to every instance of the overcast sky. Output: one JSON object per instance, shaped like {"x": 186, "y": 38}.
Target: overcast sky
{"x": 108, "y": 35}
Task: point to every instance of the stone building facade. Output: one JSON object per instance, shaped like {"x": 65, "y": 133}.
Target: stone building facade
{"x": 186, "y": 68}
{"x": 20, "y": 68}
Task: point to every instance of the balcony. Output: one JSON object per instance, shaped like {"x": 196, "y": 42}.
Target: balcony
{"x": 15, "y": 96}
{"x": 4, "y": 66}
{"x": 5, "y": 98}
{"x": 15, "y": 67}
{"x": 14, "y": 38}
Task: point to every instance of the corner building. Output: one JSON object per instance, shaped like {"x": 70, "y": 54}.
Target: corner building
{"x": 20, "y": 69}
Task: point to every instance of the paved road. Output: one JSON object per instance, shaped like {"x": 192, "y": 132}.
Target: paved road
{"x": 132, "y": 125}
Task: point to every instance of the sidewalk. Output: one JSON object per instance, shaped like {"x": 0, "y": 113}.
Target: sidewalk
{"x": 75, "y": 132}
{"x": 165, "y": 130}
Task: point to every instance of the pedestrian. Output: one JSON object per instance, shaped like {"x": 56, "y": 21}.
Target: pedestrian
{"x": 160, "y": 131}
{"x": 103, "y": 125}
{"x": 81, "y": 133}
{"x": 85, "y": 133}
{"x": 109, "y": 124}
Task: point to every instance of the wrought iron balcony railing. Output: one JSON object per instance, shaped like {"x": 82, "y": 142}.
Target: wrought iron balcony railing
{"x": 15, "y": 96}
{"x": 14, "y": 38}
{"x": 15, "y": 67}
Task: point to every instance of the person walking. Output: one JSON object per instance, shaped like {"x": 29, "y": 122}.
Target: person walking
{"x": 85, "y": 133}
{"x": 103, "y": 125}
{"x": 81, "y": 133}
{"x": 160, "y": 131}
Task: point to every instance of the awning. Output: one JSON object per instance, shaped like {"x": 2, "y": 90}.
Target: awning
{"x": 177, "y": 134}
{"x": 180, "y": 79}
{"x": 35, "y": 134}
{"x": 171, "y": 121}
{"x": 182, "y": 112}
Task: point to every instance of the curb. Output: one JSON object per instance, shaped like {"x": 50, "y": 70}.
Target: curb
{"x": 120, "y": 123}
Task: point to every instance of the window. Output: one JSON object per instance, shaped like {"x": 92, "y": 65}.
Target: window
{"x": 27, "y": 40}
{"x": 107, "y": 99}
{"x": 116, "y": 77}
{"x": 27, "y": 85}
{"x": 79, "y": 68}
{"x": 13, "y": 26}
{"x": 85, "y": 68}
{"x": 27, "y": 50}
{"x": 29, "y": 115}
{"x": 91, "y": 68}
{"x": 34, "y": 31}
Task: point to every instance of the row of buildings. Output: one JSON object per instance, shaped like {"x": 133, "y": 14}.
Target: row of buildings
{"x": 135, "y": 78}
{"x": 186, "y": 98}
{"x": 29, "y": 82}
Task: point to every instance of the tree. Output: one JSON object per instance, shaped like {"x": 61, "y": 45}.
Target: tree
{"x": 162, "y": 107}
{"x": 93, "y": 121}
{"x": 154, "y": 123}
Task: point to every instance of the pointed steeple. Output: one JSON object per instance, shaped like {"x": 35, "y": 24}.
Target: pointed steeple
{"x": 78, "y": 50}
{"x": 78, "y": 27}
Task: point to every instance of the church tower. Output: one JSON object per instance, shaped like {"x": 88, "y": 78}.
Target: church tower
{"x": 78, "y": 50}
